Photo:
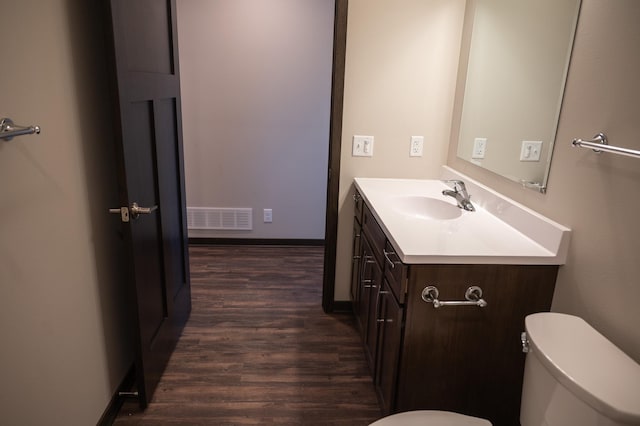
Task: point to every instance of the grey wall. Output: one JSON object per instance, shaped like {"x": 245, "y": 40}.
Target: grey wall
{"x": 595, "y": 195}
{"x": 63, "y": 332}
{"x": 256, "y": 85}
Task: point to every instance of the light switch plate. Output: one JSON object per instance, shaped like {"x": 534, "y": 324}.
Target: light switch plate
{"x": 531, "y": 151}
{"x": 362, "y": 146}
{"x": 267, "y": 215}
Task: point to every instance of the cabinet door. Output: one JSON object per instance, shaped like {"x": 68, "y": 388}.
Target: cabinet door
{"x": 371, "y": 338}
{"x": 370, "y": 278}
{"x": 355, "y": 265}
{"x": 389, "y": 339}
{"x": 361, "y": 305}
{"x": 466, "y": 358}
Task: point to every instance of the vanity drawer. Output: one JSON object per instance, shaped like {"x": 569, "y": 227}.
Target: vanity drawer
{"x": 374, "y": 233}
{"x": 395, "y": 271}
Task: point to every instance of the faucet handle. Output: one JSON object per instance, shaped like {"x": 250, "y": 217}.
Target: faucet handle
{"x": 458, "y": 185}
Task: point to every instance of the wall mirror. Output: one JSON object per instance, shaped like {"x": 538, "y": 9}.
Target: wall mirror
{"x": 514, "y": 62}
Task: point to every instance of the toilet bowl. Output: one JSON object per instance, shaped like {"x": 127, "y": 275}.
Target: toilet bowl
{"x": 430, "y": 418}
{"x": 573, "y": 376}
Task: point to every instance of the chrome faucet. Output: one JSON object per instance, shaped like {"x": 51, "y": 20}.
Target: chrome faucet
{"x": 460, "y": 194}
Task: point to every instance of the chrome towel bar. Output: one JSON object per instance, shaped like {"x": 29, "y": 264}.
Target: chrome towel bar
{"x": 8, "y": 130}
{"x": 473, "y": 295}
{"x": 600, "y": 143}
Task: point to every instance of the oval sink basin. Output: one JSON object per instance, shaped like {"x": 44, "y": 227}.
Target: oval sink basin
{"x": 423, "y": 207}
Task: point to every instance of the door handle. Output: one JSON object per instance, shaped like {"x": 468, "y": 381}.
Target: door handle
{"x": 134, "y": 211}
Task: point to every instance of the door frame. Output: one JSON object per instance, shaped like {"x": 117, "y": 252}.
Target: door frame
{"x": 335, "y": 146}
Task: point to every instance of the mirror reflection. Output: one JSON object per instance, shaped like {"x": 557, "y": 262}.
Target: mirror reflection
{"x": 518, "y": 56}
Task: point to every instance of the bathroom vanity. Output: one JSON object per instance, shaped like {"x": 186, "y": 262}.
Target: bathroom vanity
{"x": 425, "y": 352}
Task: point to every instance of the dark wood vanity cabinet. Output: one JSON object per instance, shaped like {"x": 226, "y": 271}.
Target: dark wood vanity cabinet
{"x": 465, "y": 359}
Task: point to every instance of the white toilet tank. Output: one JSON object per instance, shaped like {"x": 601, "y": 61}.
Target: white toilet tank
{"x": 575, "y": 376}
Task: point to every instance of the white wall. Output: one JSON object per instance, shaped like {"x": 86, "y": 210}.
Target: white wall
{"x": 595, "y": 195}
{"x": 401, "y": 67}
{"x": 256, "y": 87}
{"x": 64, "y": 348}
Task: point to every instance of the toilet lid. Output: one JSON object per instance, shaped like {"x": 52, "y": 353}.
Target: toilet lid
{"x": 430, "y": 418}
{"x": 587, "y": 364}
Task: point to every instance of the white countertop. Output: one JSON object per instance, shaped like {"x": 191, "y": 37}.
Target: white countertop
{"x": 516, "y": 235}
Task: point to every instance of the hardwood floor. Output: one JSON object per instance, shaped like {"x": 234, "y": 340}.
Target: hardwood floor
{"x": 258, "y": 348}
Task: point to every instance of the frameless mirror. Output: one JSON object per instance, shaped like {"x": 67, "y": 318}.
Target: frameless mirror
{"x": 514, "y": 62}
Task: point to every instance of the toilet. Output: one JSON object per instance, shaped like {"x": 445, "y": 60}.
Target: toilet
{"x": 573, "y": 376}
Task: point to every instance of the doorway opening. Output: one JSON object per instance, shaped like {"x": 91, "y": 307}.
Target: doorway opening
{"x": 235, "y": 87}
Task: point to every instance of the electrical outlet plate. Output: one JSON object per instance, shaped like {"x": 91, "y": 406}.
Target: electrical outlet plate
{"x": 362, "y": 146}
{"x": 268, "y": 215}
{"x": 479, "y": 148}
{"x": 531, "y": 151}
{"x": 417, "y": 146}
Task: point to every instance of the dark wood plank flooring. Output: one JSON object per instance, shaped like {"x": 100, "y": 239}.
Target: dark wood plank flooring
{"x": 258, "y": 348}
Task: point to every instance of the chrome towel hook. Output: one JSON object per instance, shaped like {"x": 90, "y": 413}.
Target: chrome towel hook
{"x": 8, "y": 130}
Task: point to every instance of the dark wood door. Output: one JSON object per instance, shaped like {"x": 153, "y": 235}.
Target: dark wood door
{"x": 146, "y": 92}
